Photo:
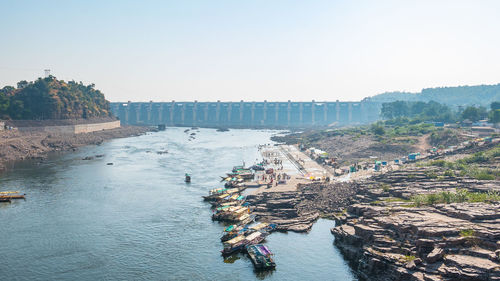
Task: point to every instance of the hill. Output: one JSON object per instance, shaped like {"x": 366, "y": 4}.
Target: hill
{"x": 482, "y": 95}
{"x": 49, "y": 98}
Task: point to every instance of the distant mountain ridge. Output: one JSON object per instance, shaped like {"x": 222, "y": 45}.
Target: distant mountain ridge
{"x": 482, "y": 95}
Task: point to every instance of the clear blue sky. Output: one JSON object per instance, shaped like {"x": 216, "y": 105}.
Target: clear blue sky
{"x": 251, "y": 50}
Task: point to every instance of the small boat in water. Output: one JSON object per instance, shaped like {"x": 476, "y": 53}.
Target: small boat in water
{"x": 187, "y": 178}
{"x": 234, "y": 245}
{"x": 240, "y": 242}
{"x": 261, "y": 256}
{"x": 242, "y": 229}
{"x": 232, "y": 231}
{"x": 230, "y": 213}
{"x": 7, "y": 196}
{"x": 223, "y": 195}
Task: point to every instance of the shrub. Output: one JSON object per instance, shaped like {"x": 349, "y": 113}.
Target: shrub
{"x": 449, "y": 173}
{"x": 408, "y": 258}
{"x": 431, "y": 175}
{"x": 385, "y": 187}
{"x": 467, "y": 233}
{"x": 431, "y": 199}
{"x": 462, "y": 195}
{"x": 447, "y": 197}
{"x": 438, "y": 163}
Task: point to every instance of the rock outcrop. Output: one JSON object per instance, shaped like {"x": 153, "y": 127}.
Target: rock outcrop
{"x": 386, "y": 236}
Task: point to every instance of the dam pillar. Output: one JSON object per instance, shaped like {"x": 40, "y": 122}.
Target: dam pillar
{"x": 217, "y": 113}
{"x": 264, "y": 113}
{"x": 349, "y": 113}
{"x": 195, "y": 109}
{"x": 301, "y": 111}
{"x": 229, "y": 112}
{"x": 337, "y": 108}
{"x": 288, "y": 112}
{"x": 241, "y": 112}
{"x": 325, "y": 113}
{"x": 205, "y": 113}
{"x": 172, "y": 109}
{"x": 276, "y": 114}
{"x": 313, "y": 107}
{"x": 150, "y": 110}
{"x": 160, "y": 113}
{"x": 127, "y": 112}
{"x": 253, "y": 114}
{"x": 183, "y": 112}
{"x": 138, "y": 113}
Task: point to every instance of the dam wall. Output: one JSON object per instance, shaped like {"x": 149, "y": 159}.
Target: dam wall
{"x": 247, "y": 114}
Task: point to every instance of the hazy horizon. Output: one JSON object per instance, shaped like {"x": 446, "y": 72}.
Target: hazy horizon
{"x": 252, "y": 51}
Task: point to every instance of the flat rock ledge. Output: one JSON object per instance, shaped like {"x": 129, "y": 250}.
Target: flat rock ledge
{"x": 281, "y": 208}
{"x": 444, "y": 242}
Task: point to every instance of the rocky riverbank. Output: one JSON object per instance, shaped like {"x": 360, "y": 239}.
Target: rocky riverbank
{"x": 15, "y": 145}
{"x": 424, "y": 223}
{"x": 436, "y": 219}
{"x": 298, "y": 210}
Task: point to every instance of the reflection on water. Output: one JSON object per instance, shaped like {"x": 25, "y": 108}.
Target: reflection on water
{"x": 138, "y": 220}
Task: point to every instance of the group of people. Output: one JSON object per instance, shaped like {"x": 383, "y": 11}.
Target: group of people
{"x": 275, "y": 178}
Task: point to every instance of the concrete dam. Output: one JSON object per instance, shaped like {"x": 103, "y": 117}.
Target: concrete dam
{"x": 245, "y": 114}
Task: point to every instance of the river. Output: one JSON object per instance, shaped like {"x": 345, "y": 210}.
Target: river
{"x": 138, "y": 220}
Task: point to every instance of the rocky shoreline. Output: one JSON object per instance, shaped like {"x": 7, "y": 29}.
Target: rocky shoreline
{"x": 298, "y": 210}
{"x": 15, "y": 145}
{"x": 385, "y": 235}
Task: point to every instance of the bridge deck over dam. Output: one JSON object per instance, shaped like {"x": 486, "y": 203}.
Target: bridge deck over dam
{"x": 246, "y": 114}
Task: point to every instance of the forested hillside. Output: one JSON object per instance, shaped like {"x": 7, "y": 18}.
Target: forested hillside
{"x": 49, "y": 98}
{"x": 482, "y": 95}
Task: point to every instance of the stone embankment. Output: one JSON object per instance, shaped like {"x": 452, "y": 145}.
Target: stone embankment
{"x": 16, "y": 145}
{"x": 298, "y": 210}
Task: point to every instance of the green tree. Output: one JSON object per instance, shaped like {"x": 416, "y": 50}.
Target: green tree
{"x": 49, "y": 98}
{"x": 378, "y": 129}
{"x": 495, "y": 116}
{"x": 22, "y": 84}
{"x": 495, "y": 105}
{"x": 473, "y": 113}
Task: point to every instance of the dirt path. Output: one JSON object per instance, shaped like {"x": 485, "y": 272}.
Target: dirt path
{"x": 423, "y": 143}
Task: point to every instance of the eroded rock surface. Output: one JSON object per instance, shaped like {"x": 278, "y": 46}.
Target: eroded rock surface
{"x": 388, "y": 237}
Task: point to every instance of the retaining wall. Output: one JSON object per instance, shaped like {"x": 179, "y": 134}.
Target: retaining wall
{"x": 73, "y": 129}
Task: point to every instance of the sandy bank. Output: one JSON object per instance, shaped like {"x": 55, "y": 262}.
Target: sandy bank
{"x": 15, "y": 145}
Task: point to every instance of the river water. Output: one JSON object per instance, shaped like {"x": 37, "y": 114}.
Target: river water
{"x": 138, "y": 220}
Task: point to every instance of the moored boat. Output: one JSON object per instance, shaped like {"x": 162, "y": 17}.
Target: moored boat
{"x": 234, "y": 245}
{"x": 261, "y": 256}
{"x": 232, "y": 231}
{"x": 264, "y": 226}
{"x": 230, "y": 213}
{"x": 6, "y": 196}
